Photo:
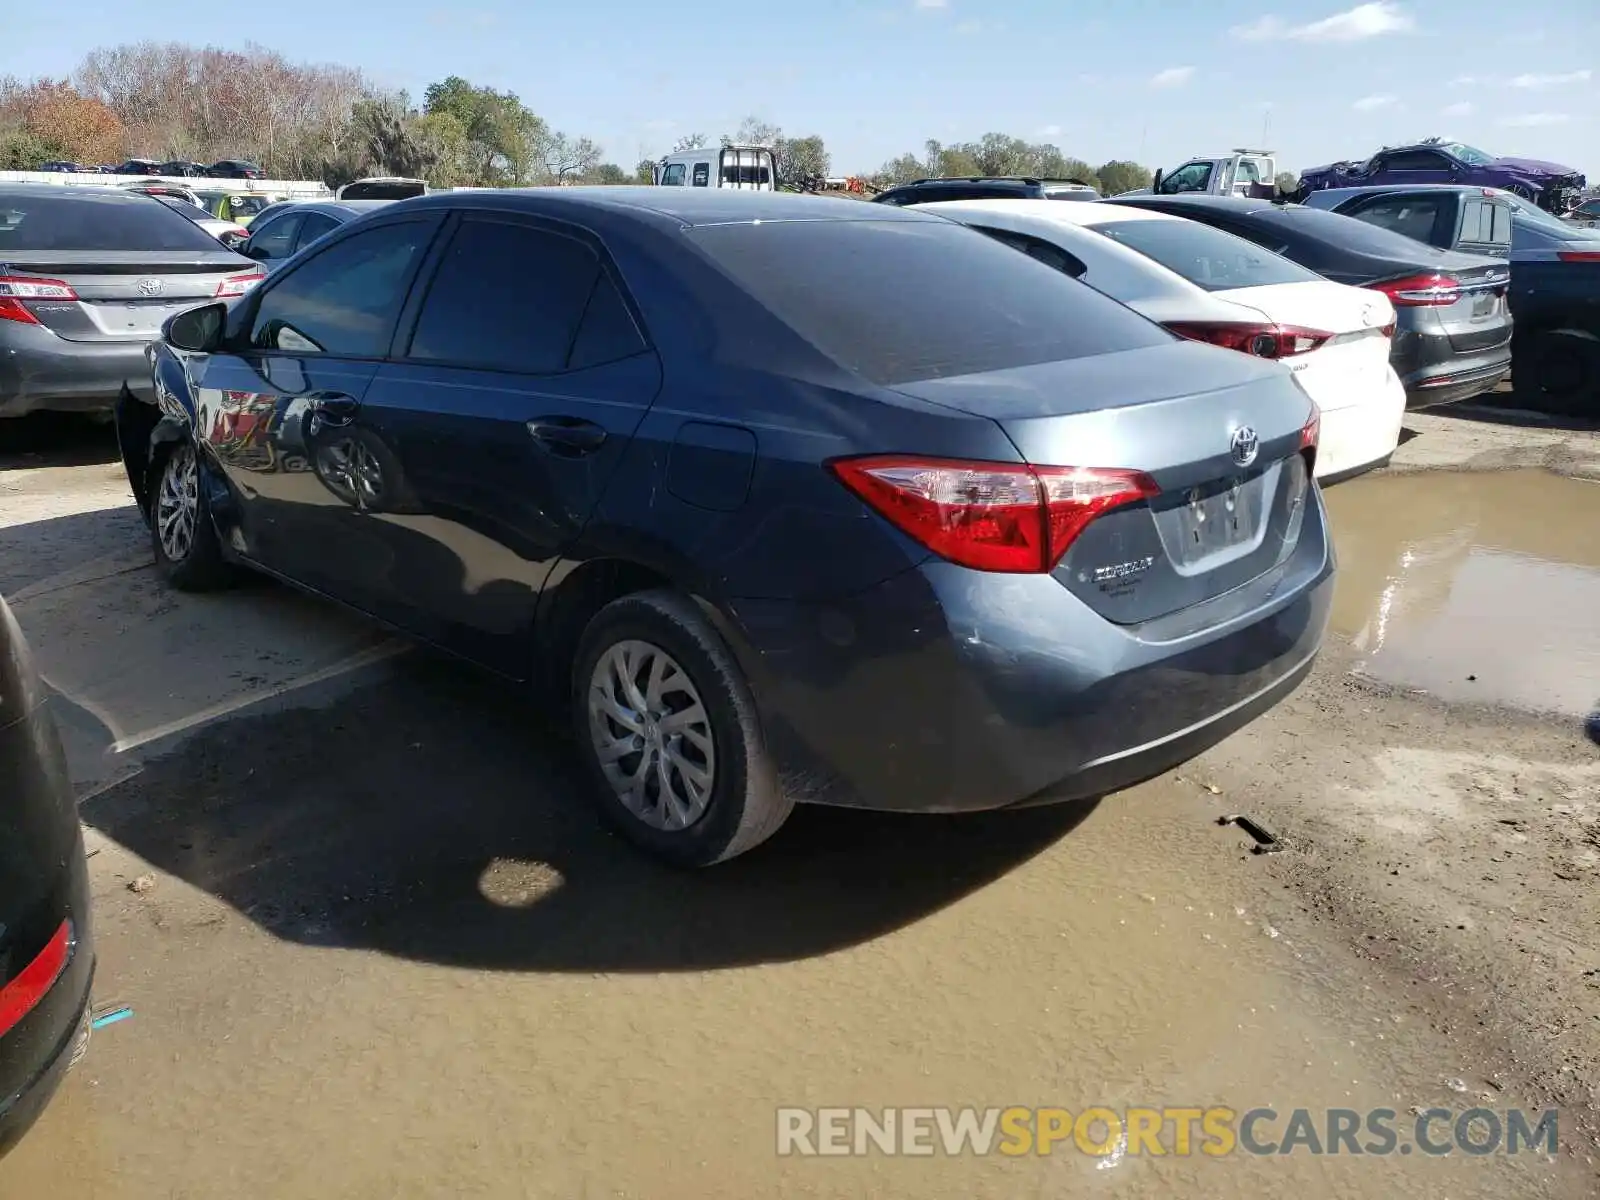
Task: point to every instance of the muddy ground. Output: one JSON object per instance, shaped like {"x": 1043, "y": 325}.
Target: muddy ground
{"x": 375, "y": 946}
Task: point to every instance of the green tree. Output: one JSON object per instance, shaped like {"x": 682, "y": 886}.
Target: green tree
{"x": 1288, "y": 183}
{"x": 794, "y": 160}
{"x": 1119, "y": 175}
{"x": 505, "y": 141}
{"x": 644, "y": 171}
{"x": 608, "y": 173}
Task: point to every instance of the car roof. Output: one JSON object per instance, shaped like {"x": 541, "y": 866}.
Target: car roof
{"x": 50, "y": 189}
{"x": 1045, "y": 210}
{"x": 683, "y": 206}
{"x": 1198, "y": 201}
{"x": 356, "y": 207}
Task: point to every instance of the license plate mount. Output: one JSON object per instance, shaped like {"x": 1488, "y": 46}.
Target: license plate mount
{"x": 1217, "y": 517}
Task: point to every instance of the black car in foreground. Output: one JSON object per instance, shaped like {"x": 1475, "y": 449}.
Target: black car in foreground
{"x": 46, "y": 951}
{"x": 1453, "y": 318}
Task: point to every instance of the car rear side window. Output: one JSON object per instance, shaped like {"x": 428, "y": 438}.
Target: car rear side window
{"x": 51, "y": 221}
{"x": 1206, "y": 257}
{"x": 507, "y": 297}
{"x": 1485, "y": 222}
{"x": 275, "y": 239}
{"x": 1048, "y": 253}
{"x": 1348, "y": 234}
{"x": 1410, "y": 216}
{"x": 314, "y": 226}
{"x": 898, "y": 301}
{"x": 343, "y": 299}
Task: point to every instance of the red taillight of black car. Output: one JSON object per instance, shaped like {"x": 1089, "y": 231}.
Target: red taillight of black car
{"x": 22, "y": 995}
{"x": 1006, "y": 517}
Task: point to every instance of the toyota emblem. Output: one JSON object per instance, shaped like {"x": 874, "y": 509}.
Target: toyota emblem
{"x": 150, "y": 287}
{"x": 1244, "y": 445}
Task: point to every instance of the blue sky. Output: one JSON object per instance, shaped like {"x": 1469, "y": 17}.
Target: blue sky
{"x": 1129, "y": 79}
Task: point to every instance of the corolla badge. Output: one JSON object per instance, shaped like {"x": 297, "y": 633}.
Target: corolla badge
{"x": 150, "y": 287}
{"x": 1244, "y": 445}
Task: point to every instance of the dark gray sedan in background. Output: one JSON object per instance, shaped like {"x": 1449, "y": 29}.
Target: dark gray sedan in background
{"x": 286, "y": 229}
{"x": 1453, "y": 321}
{"x": 87, "y": 276}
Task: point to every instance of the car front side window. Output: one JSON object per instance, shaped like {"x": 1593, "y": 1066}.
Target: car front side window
{"x": 345, "y": 299}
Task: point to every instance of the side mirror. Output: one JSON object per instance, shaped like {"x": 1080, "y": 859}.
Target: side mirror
{"x": 198, "y": 330}
{"x": 1155, "y": 182}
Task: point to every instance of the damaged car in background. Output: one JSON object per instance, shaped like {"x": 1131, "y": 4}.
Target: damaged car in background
{"x": 1552, "y": 186}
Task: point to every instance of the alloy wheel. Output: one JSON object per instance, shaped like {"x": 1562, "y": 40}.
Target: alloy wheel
{"x": 178, "y": 504}
{"x": 652, "y": 735}
{"x": 353, "y": 471}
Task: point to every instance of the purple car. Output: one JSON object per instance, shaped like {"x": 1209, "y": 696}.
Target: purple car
{"x": 1551, "y": 186}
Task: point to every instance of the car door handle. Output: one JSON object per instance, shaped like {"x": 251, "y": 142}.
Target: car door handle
{"x": 570, "y": 437}
{"x": 333, "y": 409}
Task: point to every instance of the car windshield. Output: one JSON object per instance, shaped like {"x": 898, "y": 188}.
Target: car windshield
{"x": 85, "y": 222}
{"x": 901, "y": 301}
{"x": 1206, "y": 257}
{"x": 1470, "y": 155}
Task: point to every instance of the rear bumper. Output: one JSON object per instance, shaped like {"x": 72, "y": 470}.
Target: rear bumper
{"x": 42, "y": 372}
{"x": 1435, "y": 372}
{"x": 35, "y": 1053}
{"x": 1363, "y": 435}
{"x": 949, "y": 690}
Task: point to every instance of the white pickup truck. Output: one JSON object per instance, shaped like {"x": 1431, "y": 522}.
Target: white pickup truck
{"x": 1249, "y": 173}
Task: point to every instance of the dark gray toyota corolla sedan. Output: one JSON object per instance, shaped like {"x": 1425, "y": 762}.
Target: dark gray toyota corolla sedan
{"x": 787, "y": 498}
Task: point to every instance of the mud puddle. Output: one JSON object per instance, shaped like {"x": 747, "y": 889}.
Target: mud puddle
{"x": 1474, "y": 587}
{"x": 389, "y": 955}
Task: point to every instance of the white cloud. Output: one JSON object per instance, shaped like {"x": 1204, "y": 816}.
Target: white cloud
{"x": 1354, "y": 25}
{"x": 1172, "y": 77}
{"x": 932, "y": 4}
{"x": 1533, "y": 120}
{"x": 1373, "y": 103}
{"x": 1460, "y": 109}
{"x": 969, "y": 26}
{"x": 1050, "y": 131}
{"x": 1464, "y": 81}
{"x": 1544, "y": 81}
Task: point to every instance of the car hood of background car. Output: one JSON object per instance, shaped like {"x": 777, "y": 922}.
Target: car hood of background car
{"x": 1532, "y": 166}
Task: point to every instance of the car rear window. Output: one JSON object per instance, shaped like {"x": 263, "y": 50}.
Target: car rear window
{"x": 85, "y": 222}
{"x": 901, "y": 301}
{"x": 1206, "y": 257}
{"x": 1349, "y": 234}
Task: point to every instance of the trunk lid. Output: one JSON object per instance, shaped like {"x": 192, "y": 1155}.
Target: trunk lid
{"x": 1174, "y": 412}
{"x": 1352, "y": 365}
{"x": 1481, "y": 318}
{"x": 123, "y": 294}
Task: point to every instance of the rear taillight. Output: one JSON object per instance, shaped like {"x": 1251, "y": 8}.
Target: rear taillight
{"x": 1420, "y": 291}
{"x": 238, "y": 285}
{"x": 1578, "y": 255}
{"x": 1262, "y": 341}
{"x": 990, "y": 516}
{"x": 14, "y": 289}
{"x": 1310, "y": 435}
{"x": 22, "y": 995}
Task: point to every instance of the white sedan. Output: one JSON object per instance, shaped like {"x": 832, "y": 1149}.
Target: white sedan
{"x": 1208, "y": 285}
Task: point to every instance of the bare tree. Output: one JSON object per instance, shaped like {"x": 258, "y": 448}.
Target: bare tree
{"x": 689, "y": 141}
{"x": 567, "y": 158}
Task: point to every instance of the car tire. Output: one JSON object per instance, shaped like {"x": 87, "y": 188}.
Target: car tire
{"x": 687, "y": 779}
{"x": 188, "y": 552}
{"x": 1557, "y": 371}
{"x": 1522, "y": 192}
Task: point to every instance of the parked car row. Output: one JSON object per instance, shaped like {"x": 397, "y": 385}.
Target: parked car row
{"x": 227, "y": 168}
{"x": 1554, "y": 270}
